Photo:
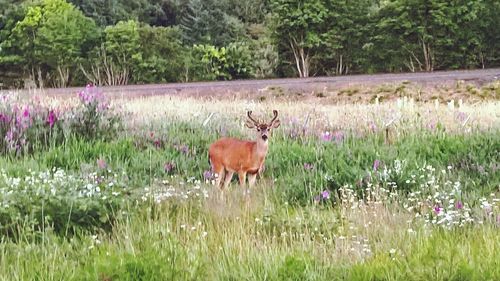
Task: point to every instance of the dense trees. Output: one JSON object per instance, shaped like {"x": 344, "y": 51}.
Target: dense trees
{"x": 71, "y": 42}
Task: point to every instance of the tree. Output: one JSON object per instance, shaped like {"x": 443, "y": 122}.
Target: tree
{"x": 206, "y": 22}
{"x": 298, "y": 28}
{"x": 48, "y": 41}
{"x": 162, "y": 55}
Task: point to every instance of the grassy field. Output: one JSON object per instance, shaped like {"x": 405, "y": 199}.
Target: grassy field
{"x": 394, "y": 189}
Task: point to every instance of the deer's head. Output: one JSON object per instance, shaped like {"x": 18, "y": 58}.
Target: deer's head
{"x": 263, "y": 129}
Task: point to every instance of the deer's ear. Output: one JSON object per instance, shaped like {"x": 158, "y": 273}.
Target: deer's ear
{"x": 276, "y": 123}
{"x": 250, "y": 124}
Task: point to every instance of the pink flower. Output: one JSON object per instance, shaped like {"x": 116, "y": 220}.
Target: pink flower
{"x": 459, "y": 205}
{"x": 437, "y": 209}
{"x": 325, "y": 194}
{"x": 51, "y": 118}
{"x": 376, "y": 164}
{"x": 101, "y": 163}
{"x": 26, "y": 112}
{"x": 326, "y": 136}
{"x": 308, "y": 166}
{"x": 169, "y": 167}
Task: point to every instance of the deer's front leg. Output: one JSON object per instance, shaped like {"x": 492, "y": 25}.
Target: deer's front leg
{"x": 251, "y": 179}
{"x": 243, "y": 177}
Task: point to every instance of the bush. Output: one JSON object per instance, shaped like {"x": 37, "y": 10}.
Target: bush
{"x": 32, "y": 126}
{"x": 94, "y": 119}
{"x": 54, "y": 199}
{"x": 225, "y": 63}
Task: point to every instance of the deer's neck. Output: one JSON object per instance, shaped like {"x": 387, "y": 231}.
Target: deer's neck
{"x": 260, "y": 148}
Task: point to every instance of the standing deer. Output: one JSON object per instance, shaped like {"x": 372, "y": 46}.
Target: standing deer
{"x": 230, "y": 155}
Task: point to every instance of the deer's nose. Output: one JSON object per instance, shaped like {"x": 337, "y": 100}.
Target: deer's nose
{"x": 264, "y": 137}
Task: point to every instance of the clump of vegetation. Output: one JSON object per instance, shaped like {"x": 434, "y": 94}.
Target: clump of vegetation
{"x": 28, "y": 127}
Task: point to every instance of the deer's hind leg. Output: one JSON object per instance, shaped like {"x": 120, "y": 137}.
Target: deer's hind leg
{"x": 219, "y": 175}
{"x": 227, "y": 179}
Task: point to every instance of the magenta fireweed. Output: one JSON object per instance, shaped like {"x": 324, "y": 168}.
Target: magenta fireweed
{"x": 51, "y": 118}
{"x": 169, "y": 167}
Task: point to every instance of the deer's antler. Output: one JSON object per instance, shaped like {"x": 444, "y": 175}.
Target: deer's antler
{"x": 249, "y": 113}
{"x": 275, "y": 112}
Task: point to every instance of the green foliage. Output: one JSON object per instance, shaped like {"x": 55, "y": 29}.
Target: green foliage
{"x": 114, "y": 42}
{"x": 61, "y": 202}
{"x": 51, "y": 39}
{"x": 162, "y": 55}
{"x": 225, "y": 63}
{"x": 206, "y": 22}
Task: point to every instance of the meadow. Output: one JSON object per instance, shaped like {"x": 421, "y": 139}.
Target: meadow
{"x": 394, "y": 188}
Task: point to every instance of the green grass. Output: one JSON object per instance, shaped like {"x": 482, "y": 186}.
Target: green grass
{"x": 153, "y": 246}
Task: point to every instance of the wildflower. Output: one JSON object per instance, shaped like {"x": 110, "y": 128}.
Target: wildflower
{"x": 308, "y": 166}
{"x": 183, "y": 148}
{"x": 376, "y": 164}
{"x": 101, "y": 163}
{"x": 326, "y": 136}
{"x": 157, "y": 143}
{"x": 325, "y": 194}
{"x": 169, "y": 167}
{"x": 437, "y": 209}
{"x": 461, "y": 116}
{"x": 432, "y": 125}
{"x": 459, "y": 205}
{"x": 4, "y": 118}
{"x": 51, "y": 118}
{"x": 26, "y": 112}
{"x": 208, "y": 175}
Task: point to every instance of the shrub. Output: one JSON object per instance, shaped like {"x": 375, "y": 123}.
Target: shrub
{"x": 60, "y": 201}
{"x": 34, "y": 125}
{"x": 94, "y": 119}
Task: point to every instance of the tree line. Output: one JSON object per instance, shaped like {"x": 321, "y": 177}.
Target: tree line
{"x": 58, "y": 43}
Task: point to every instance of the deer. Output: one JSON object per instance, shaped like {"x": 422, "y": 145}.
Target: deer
{"x": 230, "y": 155}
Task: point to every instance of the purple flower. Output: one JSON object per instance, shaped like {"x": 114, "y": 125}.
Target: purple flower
{"x": 461, "y": 116}
{"x": 101, "y": 163}
{"x": 208, "y": 175}
{"x": 326, "y": 136}
{"x": 184, "y": 149}
{"x": 373, "y": 126}
{"x": 432, "y": 125}
{"x": 325, "y": 194}
{"x": 459, "y": 205}
{"x": 92, "y": 96}
{"x": 4, "y": 118}
{"x": 437, "y": 209}
{"x": 376, "y": 164}
{"x": 51, "y": 118}
{"x": 308, "y": 166}
{"x": 169, "y": 167}
{"x": 157, "y": 143}
{"x": 10, "y": 135}
{"x": 26, "y": 112}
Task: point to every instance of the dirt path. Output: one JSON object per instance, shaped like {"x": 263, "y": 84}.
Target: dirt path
{"x": 295, "y": 85}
